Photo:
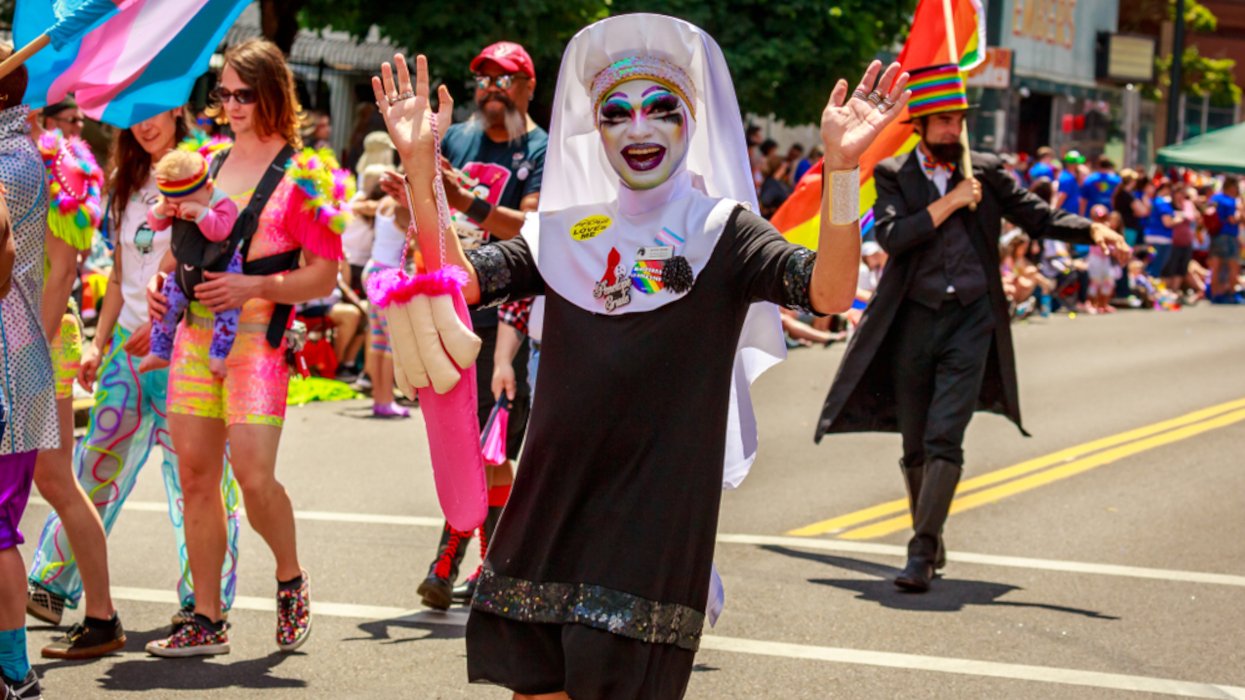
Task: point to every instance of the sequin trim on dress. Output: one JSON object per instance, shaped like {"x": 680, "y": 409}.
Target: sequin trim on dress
{"x": 796, "y": 278}
{"x": 493, "y": 274}
{"x": 599, "y": 607}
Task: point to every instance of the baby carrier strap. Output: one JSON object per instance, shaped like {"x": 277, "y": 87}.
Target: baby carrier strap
{"x": 190, "y": 272}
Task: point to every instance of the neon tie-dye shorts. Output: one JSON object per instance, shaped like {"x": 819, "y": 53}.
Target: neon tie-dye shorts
{"x": 257, "y": 378}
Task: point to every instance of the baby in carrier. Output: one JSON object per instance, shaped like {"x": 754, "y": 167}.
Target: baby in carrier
{"x": 190, "y": 202}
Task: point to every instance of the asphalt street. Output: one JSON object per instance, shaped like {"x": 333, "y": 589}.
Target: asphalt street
{"x": 1102, "y": 558}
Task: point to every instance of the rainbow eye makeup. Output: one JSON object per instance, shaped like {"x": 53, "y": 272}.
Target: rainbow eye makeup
{"x": 643, "y": 128}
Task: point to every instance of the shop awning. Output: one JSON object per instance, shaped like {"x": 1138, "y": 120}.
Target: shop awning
{"x": 1221, "y": 151}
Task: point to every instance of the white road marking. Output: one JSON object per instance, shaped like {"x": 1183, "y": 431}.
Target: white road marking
{"x": 862, "y": 657}
{"x": 319, "y": 607}
{"x": 992, "y": 669}
{"x": 1074, "y": 567}
{"x": 826, "y": 545}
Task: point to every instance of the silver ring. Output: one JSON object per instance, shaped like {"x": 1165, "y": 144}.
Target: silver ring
{"x": 874, "y": 98}
{"x": 860, "y": 94}
{"x": 401, "y": 96}
{"x": 888, "y": 103}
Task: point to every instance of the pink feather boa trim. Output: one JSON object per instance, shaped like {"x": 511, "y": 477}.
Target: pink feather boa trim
{"x": 307, "y": 226}
{"x": 394, "y": 286}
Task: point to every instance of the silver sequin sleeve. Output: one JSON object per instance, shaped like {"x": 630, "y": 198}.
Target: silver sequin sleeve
{"x": 506, "y": 272}
{"x": 797, "y": 277}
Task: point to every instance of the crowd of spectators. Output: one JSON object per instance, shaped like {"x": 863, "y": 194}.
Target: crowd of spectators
{"x": 1184, "y": 227}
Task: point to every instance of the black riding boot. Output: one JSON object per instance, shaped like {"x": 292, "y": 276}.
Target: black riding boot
{"x": 913, "y": 476}
{"x": 435, "y": 591}
{"x": 464, "y": 592}
{"x": 937, "y": 489}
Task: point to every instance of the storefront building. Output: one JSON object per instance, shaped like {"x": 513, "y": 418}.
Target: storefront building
{"x": 1040, "y": 87}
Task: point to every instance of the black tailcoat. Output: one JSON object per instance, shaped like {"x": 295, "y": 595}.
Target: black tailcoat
{"x": 861, "y": 399}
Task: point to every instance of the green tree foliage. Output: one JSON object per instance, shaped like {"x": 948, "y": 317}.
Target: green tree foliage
{"x": 451, "y": 38}
{"x": 1200, "y": 76}
{"x": 784, "y": 55}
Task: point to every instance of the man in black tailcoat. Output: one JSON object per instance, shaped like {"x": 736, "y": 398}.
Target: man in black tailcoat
{"x": 934, "y": 344}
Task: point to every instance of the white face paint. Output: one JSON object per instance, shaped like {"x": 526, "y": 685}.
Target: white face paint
{"x": 644, "y": 127}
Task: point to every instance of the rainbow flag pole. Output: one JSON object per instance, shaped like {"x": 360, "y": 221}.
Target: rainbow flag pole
{"x": 954, "y": 57}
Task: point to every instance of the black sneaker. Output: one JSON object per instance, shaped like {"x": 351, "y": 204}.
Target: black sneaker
{"x": 186, "y": 615}
{"x": 25, "y": 689}
{"x": 91, "y": 640}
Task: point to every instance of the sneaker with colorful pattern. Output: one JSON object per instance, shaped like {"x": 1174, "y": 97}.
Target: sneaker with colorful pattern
{"x": 198, "y": 638}
{"x": 294, "y": 614}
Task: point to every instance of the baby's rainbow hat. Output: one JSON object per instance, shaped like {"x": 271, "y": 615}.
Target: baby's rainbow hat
{"x": 184, "y": 187}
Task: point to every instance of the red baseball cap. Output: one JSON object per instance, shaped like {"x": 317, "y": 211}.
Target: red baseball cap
{"x": 509, "y": 56}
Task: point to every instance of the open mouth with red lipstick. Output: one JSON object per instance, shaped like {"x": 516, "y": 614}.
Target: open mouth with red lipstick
{"x": 643, "y": 157}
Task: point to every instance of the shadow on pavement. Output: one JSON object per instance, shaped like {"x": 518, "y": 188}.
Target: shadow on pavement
{"x": 946, "y": 595}
{"x": 450, "y": 625}
{"x": 198, "y": 673}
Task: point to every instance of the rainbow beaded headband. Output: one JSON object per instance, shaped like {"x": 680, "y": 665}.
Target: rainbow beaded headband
{"x": 653, "y": 68}
{"x": 184, "y": 187}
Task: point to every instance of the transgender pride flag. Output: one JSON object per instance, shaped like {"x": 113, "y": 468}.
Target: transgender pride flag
{"x": 123, "y": 60}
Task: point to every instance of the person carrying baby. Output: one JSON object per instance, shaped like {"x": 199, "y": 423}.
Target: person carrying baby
{"x": 188, "y": 194}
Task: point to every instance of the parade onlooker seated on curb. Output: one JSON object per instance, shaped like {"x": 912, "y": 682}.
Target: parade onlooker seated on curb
{"x": 1225, "y": 246}
{"x": 1021, "y": 278}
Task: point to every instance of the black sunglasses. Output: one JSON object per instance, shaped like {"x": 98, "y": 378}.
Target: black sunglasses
{"x": 243, "y": 96}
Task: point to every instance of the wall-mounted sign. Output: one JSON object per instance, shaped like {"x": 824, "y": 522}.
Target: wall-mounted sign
{"x": 994, "y": 72}
{"x": 1125, "y": 58}
{"x": 1051, "y": 21}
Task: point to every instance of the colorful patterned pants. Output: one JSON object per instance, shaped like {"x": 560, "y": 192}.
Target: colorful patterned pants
{"x": 128, "y": 419}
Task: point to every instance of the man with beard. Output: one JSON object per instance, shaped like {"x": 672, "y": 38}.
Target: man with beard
{"x": 492, "y": 169}
{"x": 934, "y": 343}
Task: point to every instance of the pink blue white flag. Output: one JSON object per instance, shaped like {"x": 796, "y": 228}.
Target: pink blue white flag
{"x": 123, "y": 60}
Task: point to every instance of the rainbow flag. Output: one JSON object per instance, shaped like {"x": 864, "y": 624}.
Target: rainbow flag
{"x": 799, "y": 218}
{"x": 123, "y": 60}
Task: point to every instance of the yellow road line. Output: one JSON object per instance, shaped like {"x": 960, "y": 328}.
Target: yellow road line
{"x": 991, "y": 495}
{"x": 865, "y": 515}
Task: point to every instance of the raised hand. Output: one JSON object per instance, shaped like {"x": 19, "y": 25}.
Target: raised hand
{"x": 405, "y": 108}
{"x": 850, "y": 123}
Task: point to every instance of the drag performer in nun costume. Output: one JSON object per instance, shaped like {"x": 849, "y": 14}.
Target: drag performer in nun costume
{"x": 598, "y": 580}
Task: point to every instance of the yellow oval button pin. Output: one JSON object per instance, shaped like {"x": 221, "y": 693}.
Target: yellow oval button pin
{"x": 590, "y": 227}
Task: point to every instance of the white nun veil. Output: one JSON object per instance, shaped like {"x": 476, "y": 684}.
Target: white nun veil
{"x": 577, "y": 171}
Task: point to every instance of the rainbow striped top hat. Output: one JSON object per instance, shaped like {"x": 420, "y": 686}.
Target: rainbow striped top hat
{"x": 936, "y": 89}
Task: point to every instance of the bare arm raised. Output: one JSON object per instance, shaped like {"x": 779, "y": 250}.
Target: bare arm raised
{"x": 407, "y": 111}
{"x": 849, "y": 125}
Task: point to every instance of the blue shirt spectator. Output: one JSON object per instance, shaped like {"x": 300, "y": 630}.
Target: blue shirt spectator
{"x": 1041, "y": 169}
{"x": 1225, "y": 208}
{"x": 1071, "y": 190}
{"x": 1099, "y": 187}
{"x": 1156, "y": 232}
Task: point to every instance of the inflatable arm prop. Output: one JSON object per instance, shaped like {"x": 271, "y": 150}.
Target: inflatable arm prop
{"x": 434, "y": 354}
